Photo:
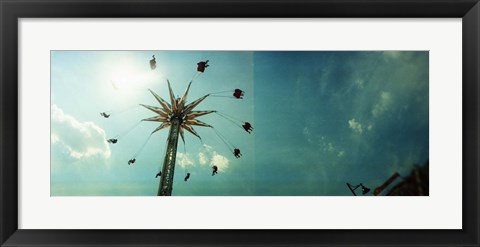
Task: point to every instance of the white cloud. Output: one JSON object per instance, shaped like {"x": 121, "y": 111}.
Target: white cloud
{"x": 393, "y": 54}
{"x": 80, "y": 139}
{"x": 211, "y": 157}
{"x": 330, "y": 147}
{"x": 202, "y": 159}
{"x": 383, "y": 104}
{"x": 54, "y": 138}
{"x": 307, "y": 134}
{"x": 334, "y": 149}
{"x": 359, "y": 83}
{"x": 355, "y": 126}
{"x": 370, "y": 127}
{"x": 184, "y": 160}
{"x": 220, "y": 161}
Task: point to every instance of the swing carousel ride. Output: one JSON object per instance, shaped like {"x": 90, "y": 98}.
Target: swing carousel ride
{"x": 180, "y": 117}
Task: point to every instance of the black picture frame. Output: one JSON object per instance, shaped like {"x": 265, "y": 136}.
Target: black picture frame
{"x": 11, "y": 11}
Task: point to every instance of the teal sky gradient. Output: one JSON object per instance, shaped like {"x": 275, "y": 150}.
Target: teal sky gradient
{"x": 320, "y": 119}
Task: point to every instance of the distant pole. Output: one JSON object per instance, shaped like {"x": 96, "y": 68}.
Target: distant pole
{"x": 350, "y": 187}
{"x": 166, "y": 182}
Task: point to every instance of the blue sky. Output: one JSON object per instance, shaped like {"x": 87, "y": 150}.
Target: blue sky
{"x": 320, "y": 119}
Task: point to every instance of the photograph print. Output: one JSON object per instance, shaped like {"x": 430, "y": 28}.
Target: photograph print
{"x": 239, "y": 123}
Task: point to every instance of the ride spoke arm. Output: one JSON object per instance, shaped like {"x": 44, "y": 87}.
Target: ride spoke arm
{"x": 191, "y": 130}
{"x": 167, "y": 107}
{"x": 194, "y": 114}
{"x": 156, "y": 119}
{"x": 162, "y": 126}
{"x": 197, "y": 123}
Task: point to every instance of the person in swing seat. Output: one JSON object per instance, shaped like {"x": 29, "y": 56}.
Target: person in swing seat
{"x": 153, "y": 63}
{"x": 237, "y": 153}
{"x": 248, "y": 127}
{"x": 201, "y": 66}
{"x": 238, "y": 94}
{"x": 113, "y": 140}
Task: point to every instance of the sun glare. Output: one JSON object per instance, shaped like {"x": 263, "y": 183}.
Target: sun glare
{"x": 127, "y": 77}
{"x": 126, "y": 80}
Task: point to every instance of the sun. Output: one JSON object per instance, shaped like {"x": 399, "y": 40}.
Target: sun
{"x": 126, "y": 76}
